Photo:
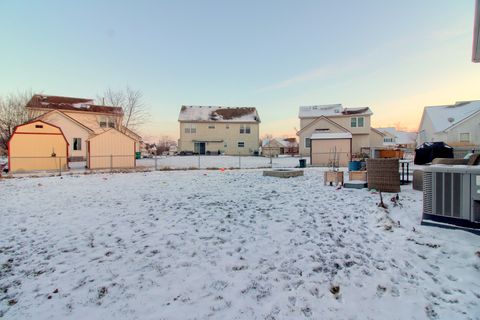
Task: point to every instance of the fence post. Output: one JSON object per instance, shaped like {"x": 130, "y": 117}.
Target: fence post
{"x": 156, "y": 167}
{"x": 111, "y": 163}
{"x": 239, "y": 161}
{"x": 60, "y": 166}
{"x": 199, "y": 162}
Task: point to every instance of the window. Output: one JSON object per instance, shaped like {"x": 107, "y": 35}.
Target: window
{"x": 360, "y": 122}
{"x": 190, "y": 128}
{"x": 357, "y": 122}
{"x": 307, "y": 142}
{"x": 77, "y": 144}
{"x": 111, "y": 123}
{"x": 465, "y": 137}
{"x": 322, "y": 130}
{"x": 242, "y": 129}
{"x": 39, "y": 126}
{"x": 247, "y": 129}
{"x": 212, "y": 126}
{"x": 388, "y": 140}
{"x": 241, "y": 144}
{"x": 103, "y": 122}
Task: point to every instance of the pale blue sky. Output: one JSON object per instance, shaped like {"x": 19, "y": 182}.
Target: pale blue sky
{"x": 394, "y": 56}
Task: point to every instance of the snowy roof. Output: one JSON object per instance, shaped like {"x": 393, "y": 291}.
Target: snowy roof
{"x": 70, "y": 103}
{"x": 331, "y": 135}
{"x": 330, "y": 110}
{"x": 402, "y": 137}
{"x": 285, "y": 142}
{"x": 218, "y": 114}
{"x": 444, "y": 117}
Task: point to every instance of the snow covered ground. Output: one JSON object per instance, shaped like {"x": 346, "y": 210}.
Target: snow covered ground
{"x": 225, "y": 245}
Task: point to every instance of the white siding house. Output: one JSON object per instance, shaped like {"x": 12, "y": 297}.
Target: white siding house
{"x": 456, "y": 125}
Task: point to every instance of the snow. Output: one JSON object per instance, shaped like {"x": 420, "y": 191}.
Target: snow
{"x": 331, "y": 135}
{"x": 225, "y": 245}
{"x": 440, "y": 115}
{"x": 401, "y": 137}
{"x": 327, "y": 110}
{"x": 204, "y": 113}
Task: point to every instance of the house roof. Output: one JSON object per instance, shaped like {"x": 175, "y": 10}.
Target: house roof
{"x": 283, "y": 142}
{"x": 402, "y": 137}
{"x": 447, "y": 116}
{"x": 331, "y": 135}
{"x": 218, "y": 114}
{"x": 329, "y": 110}
{"x": 70, "y": 103}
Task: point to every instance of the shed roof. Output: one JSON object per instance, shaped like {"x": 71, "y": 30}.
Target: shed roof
{"x": 218, "y": 114}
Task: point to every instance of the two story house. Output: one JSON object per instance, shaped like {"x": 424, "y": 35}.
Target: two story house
{"x": 457, "y": 125}
{"x": 80, "y": 120}
{"x": 335, "y": 118}
{"x": 218, "y": 130}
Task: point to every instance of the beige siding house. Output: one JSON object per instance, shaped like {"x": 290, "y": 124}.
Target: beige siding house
{"x": 337, "y": 119}
{"x": 37, "y": 145}
{"x": 80, "y": 120}
{"x": 214, "y": 130}
{"x": 456, "y": 125}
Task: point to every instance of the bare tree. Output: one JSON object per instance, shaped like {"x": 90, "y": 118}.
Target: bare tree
{"x": 12, "y": 114}
{"x": 134, "y": 111}
{"x": 164, "y": 144}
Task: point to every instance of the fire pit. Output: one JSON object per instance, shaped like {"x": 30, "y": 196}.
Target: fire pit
{"x": 283, "y": 173}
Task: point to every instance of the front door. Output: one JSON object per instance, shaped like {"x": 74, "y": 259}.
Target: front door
{"x": 199, "y": 147}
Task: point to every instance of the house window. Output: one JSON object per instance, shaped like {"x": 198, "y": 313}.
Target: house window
{"x": 360, "y": 122}
{"x": 247, "y": 129}
{"x": 322, "y": 130}
{"x": 190, "y": 128}
{"x": 465, "y": 137}
{"x": 307, "y": 142}
{"x": 387, "y": 139}
{"x": 357, "y": 122}
{"x": 103, "y": 122}
{"x": 242, "y": 129}
{"x": 111, "y": 123}
{"x": 77, "y": 144}
{"x": 241, "y": 144}
{"x": 39, "y": 126}
{"x": 212, "y": 126}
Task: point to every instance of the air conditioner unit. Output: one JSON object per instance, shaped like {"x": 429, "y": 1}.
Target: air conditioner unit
{"x": 451, "y": 194}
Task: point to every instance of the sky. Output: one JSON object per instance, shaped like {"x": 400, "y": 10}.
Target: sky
{"x": 393, "y": 56}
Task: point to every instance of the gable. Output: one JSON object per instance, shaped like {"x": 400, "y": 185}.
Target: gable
{"x": 322, "y": 123}
{"x": 62, "y": 120}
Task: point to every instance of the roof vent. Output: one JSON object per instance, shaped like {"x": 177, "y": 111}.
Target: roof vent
{"x": 450, "y": 119}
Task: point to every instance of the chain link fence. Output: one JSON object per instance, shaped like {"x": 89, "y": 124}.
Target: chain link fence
{"x": 19, "y": 166}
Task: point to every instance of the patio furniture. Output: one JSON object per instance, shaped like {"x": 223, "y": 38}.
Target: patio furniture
{"x": 383, "y": 175}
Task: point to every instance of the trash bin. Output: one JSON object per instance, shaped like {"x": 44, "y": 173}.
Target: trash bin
{"x": 302, "y": 163}
{"x": 138, "y": 155}
{"x": 354, "y": 165}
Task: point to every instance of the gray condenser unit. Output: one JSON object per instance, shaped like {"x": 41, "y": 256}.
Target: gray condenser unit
{"x": 451, "y": 194}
